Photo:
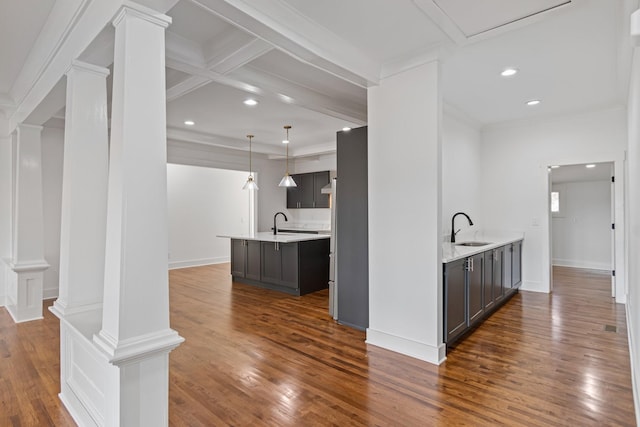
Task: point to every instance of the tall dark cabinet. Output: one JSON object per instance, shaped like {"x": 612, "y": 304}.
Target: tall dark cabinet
{"x": 352, "y": 269}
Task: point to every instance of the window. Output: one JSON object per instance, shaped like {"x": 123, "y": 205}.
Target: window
{"x": 555, "y": 201}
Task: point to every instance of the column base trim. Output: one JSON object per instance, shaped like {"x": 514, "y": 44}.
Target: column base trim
{"x": 138, "y": 348}
{"x": 415, "y": 349}
{"x": 21, "y": 316}
{"x": 61, "y": 310}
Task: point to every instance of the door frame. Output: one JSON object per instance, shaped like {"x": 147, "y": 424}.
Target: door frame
{"x": 618, "y": 161}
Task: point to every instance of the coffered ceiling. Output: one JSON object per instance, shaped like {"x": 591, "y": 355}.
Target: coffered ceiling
{"x": 309, "y": 63}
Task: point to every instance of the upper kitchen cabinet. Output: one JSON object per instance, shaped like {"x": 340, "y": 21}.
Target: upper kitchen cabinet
{"x": 308, "y": 192}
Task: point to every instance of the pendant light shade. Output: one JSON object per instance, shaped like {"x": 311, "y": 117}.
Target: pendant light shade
{"x": 287, "y": 180}
{"x": 251, "y": 183}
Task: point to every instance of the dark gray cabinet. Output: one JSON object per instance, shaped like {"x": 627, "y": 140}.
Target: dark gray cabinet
{"x": 245, "y": 259}
{"x": 296, "y": 268}
{"x": 516, "y": 262}
{"x": 455, "y": 299}
{"x": 487, "y": 270}
{"x": 476, "y": 286}
{"x": 498, "y": 291}
{"x": 280, "y": 264}
{"x": 507, "y": 267}
{"x": 464, "y": 280}
{"x": 307, "y": 193}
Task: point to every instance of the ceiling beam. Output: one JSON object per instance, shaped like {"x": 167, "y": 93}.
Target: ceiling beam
{"x": 226, "y": 56}
{"x": 273, "y": 87}
{"x": 293, "y": 93}
{"x": 285, "y": 28}
{"x": 442, "y": 20}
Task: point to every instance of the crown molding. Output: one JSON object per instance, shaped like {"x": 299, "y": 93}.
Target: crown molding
{"x": 219, "y": 141}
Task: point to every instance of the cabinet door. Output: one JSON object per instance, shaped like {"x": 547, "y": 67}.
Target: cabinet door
{"x": 294, "y": 194}
{"x": 474, "y": 288}
{"x": 455, "y": 302}
{"x": 253, "y": 260}
{"x": 516, "y": 265}
{"x": 320, "y": 179}
{"x": 271, "y": 263}
{"x": 238, "y": 257}
{"x": 305, "y": 183}
{"x": 497, "y": 274}
{"x": 289, "y": 263}
{"x": 506, "y": 269}
{"x": 487, "y": 269}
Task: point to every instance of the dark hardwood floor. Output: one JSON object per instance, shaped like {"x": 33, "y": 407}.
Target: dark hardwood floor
{"x": 257, "y": 357}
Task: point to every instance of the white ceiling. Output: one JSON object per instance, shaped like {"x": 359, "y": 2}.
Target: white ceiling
{"x": 580, "y": 173}
{"x": 309, "y": 63}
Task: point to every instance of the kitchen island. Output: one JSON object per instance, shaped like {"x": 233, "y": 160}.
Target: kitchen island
{"x": 294, "y": 263}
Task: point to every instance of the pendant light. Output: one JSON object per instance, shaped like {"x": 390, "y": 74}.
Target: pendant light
{"x": 287, "y": 181}
{"x": 250, "y": 184}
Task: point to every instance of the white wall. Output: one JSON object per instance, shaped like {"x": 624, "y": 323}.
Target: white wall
{"x": 405, "y": 250}
{"x": 203, "y": 203}
{"x": 270, "y": 197}
{"x": 582, "y": 229}
{"x": 461, "y": 167}
{"x": 515, "y": 179}
{"x": 52, "y": 159}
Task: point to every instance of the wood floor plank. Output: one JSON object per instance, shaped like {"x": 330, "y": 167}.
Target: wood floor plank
{"x": 255, "y": 357}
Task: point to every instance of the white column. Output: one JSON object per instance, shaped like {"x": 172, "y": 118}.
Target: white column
{"x": 84, "y": 190}
{"x": 633, "y": 208}
{"x": 24, "y": 296}
{"x": 136, "y": 336}
{"x": 404, "y": 160}
{"x": 5, "y": 212}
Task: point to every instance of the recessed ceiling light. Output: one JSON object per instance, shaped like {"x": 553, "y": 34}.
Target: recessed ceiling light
{"x": 346, "y": 129}
{"x": 250, "y": 102}
{"x": 189, "y": 122}
{"x": 508, "y": 72}
{"x": 590, "y": 166}
{"x": 533, "y": 102}
{"x": 555, "y": 167}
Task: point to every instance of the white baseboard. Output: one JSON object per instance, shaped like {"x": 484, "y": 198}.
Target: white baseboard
{"x": 632, "y": 357}
{"x": 50, "y": 293}
{"x": 3, "y": 301}
{"x": 534, "y": 286}
{"x": 591, "y": 265}
{"x": 418, "y": 350}
{"x": 197, "y": 262}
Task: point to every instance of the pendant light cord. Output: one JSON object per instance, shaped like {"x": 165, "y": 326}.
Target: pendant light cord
{"x": 250, "y": 164}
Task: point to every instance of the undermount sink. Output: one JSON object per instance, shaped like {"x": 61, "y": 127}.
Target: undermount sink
{"x": 473, "y": 243}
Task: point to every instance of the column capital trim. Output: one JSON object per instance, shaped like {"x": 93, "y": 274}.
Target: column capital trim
{"x": 28, "y": 126}
{"x": 141, "y": 12}
{"x": 86, "y": 67}
{"x": 634, "y": 29}
{"x": 28, "y": 266}
{"x": 138, "y": 348}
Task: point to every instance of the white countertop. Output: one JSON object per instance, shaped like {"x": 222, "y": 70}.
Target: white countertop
{"x": 265, "y": 236}
{"x": 452, "y": 252}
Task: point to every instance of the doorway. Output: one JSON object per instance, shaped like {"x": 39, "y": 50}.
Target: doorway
{"x": 582, "y": 217}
